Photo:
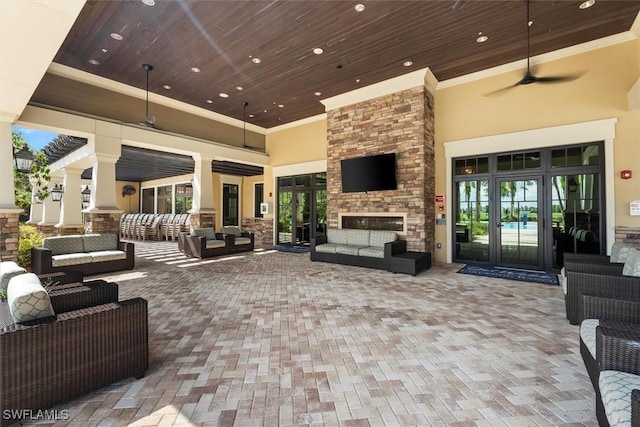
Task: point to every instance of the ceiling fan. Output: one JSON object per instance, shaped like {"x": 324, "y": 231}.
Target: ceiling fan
{"x": 529, "y": 77}
{"x": 245, "y": 104}
{"x": 150, "y": 119}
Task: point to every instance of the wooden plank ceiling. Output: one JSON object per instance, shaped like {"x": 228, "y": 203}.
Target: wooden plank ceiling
{"x": 222, "y": 38}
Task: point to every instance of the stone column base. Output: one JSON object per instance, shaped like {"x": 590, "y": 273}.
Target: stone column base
{"x": 47, "y": 230}
{"x": 262, "y": 229}
{"x": 69, "y": 230}
{"x": 9, "y": 234}
{"x": 203, "y": 220}
{"x": 102, "y": 222}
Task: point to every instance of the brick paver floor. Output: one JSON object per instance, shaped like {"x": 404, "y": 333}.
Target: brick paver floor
{"x": 272, "y": 339}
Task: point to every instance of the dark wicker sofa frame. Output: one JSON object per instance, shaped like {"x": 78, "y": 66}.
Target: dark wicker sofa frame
{"x": 41, "y": 262}
{"x": 235, "y": 247}
{"x": 604, "y": 285}
{"x": 390, "y": 249}
{"x": 51, "y": 361}
{"x": 196, "y": 246}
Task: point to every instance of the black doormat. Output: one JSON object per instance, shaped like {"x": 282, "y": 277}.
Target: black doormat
{"x": 293, "y": 249}
{"x": 504, "y": 273}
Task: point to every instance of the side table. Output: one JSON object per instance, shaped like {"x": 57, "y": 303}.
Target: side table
{"x": 410, "y": 262}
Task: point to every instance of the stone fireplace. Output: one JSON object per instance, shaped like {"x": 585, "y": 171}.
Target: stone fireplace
{"x": 400, "y": 123}
{"x": 374, "y": 221}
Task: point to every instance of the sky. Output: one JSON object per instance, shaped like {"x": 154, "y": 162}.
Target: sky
{"x": 35, "y": 138}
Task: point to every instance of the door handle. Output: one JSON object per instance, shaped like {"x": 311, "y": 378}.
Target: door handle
{"x": 498, "y": 224}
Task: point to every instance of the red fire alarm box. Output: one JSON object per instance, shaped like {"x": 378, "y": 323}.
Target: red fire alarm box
{"x": 625, "y": 174}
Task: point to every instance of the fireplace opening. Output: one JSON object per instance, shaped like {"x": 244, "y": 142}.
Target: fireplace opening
{"x": 374, "y": 222}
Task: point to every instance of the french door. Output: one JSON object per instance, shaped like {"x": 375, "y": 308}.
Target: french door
{"x": 302, "y": 206}
{"x": 518, "y": 226}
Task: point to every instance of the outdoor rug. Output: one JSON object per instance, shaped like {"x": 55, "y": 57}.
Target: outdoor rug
{"x": 505, "y": 273}
{"x": 293, "y": 249}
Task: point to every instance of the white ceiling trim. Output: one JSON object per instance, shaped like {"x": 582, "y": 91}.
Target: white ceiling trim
{"x": 316, "y": 118}
{"x": 101, "y": 82}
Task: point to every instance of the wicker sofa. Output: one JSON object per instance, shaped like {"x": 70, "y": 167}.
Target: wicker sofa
{"x": 363, "y": 248}
{"x": 610, "y": 349}
{"x": 93, "y": 341}
{"x": 88, "y": 253}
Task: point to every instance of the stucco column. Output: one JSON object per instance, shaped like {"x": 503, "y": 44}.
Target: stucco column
{"x": 71, "y": 204}
{"x": 9, "y": 212}
{"x": 202, "y": 211}
{"x": 103, "y": 215}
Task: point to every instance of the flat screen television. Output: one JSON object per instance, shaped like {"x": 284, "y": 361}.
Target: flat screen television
{"x": 370, "y": 173}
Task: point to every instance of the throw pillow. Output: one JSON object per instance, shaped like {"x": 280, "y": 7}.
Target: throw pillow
{"x": 27, "y": 299}
{"x": 632, "y": 264}
{"x": 9, "y": 269}
{"x": 620, "y": 252}
{"x": 207, "y": 233}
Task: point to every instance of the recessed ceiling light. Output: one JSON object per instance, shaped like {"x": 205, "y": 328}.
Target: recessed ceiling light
{"x": 94, "y": 62}
{"x": 167, "y": 87}
{"x": 280, "y": 105}
{"x": 482, "y": 38}
{"x": 407, "y": 63}
{"x": 195, "y": 69}
{"x": 116, "y": 36}
{"x": 223, "y": 95}
{"x": 256, "y": 60}
{"x": 359, "y": 7}
{"x": 239, "y": 88}
{"x": 317, "y": 93}
{"x": 265, "y": 111}
{"x": 587, "y": 4}
{"x": 104, "y": 50}
{"x": 149, "y": 2}
{"x": 209, "y": 101}
{"x": 357, "y": 80}
{"x": 530, "y": 23}
{"x": 318, "y": 51}
{"x": 251, "y": 115}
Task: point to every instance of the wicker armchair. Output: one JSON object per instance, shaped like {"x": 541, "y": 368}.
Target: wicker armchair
{"x": 612, "y": 286}
{"x": 617, "y": 351}
{"x": 50, "y": 361}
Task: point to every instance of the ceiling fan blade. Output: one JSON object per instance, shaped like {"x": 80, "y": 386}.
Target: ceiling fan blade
{"x": 502, "y": 90}
{"x": 557, "y": 79}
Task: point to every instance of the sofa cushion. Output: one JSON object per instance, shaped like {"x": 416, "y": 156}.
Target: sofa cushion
{"x": 372, "y": 251}
{"x": 207, "y": 233}
{"x": 100, "y": 256}
{"x": 358, "y": 237}
{"x": 243, "y": 241}
{"x": 70, "y": 259}
{"x": 231, "y": 229}
{"x": 563, "y": 282}
{"x": 337, "y": 236}
{"x": 348, "y": 249}
{"x": 27, "y": 299}
{"x": 9, "y": 269}
{"x": 620, "y": 252}
{"x": 329, "y": 248}
{"x": 100, "y": 242}
{"x": 59, "y": 245}
{"x": 615, "y": 389}
{"x": 379, "y": 237}
{"x": 588, "y": 334}
{"x": 211, "y": 244}
{"x": 632, "y": 264}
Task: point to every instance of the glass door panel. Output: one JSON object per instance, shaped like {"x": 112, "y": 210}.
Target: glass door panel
{"x": 285, "y": 217}
{"x": 519, "y": 234}
{"x": 472, "y": 221}
{"x": 321, "y": 213}
{"x": 303, "y": 217}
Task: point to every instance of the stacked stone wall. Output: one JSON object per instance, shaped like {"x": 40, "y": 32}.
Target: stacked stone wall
{"x": 262, "y": 229}
{"x": 400, "y": 123}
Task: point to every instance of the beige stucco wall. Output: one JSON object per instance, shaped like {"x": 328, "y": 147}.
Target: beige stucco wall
{"x": 463, "y": 112}
{"x": 128, "y": 204}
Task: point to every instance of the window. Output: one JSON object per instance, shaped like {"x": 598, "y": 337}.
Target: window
{"x": 184, "y": 198}
{"x": 230, "y": 207}
{"x": 258, "y": 198}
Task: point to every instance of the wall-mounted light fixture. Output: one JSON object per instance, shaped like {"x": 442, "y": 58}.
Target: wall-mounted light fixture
{"x": 56, "y": 192}
{"x": 86, "y": 194}
{"x": 23, "y": 159}
{"x": 573, "y": 185}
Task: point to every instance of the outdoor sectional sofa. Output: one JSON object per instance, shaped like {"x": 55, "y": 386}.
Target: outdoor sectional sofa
{"x": 205, "y": 242}
{"x": 362, "y": 248}
{"x": 88, "y": 253}
{"x": 92, "y": 341}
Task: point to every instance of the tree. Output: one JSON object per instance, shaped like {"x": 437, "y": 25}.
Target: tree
{"x": 38, "y": 177}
